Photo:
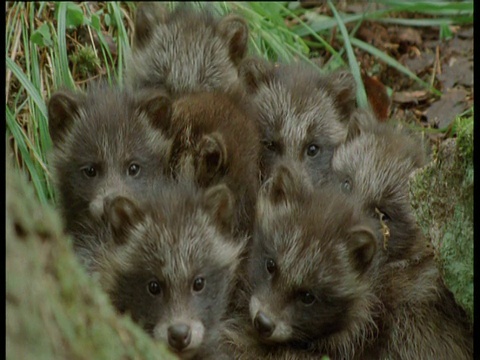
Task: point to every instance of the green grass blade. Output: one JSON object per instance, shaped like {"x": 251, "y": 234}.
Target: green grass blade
{"x": 106, "y": 55}
{"x": 328, "y": 23}
{"x": 455, "y": 12}
{"x": 393, "y": 63}
{"x": 428, "y": 22}
{"x": 320, "y": 39}
{"x": 448, "y": 8}
{"x": 27, "y": 84}
{"x": 11, "y": 23}
{"x": 64, "y": 75}
{"x": 123, "y": 47}
{"x": 352, "y": 60}
{"x": 21, "y": 140}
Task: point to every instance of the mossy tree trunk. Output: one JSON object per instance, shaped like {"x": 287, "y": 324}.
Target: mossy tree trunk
{"x": 54, "y": 310}
{"x": 442, "y": 197}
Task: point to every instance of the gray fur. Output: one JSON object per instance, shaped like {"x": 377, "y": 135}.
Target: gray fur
{"x": 315, "y": 239}
{"x": 296, "y": 108}
{"x": 186, "y": 50}
{"x": 179, "y": 237}
{"x": 374, "y": 166}
{"x": 109, "y": 129}
{"x": 215, "y": 141}
{"x": 382, "y": 307}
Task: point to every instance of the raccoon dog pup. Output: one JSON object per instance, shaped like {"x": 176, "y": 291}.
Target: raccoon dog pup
{"x": 302, "y": 115}
{"x": 214, "y": 141}
{"x": 309, "y": 291}
{"x": 321, "y": 282}
{"x": 171, "y": 264}
{"x": 105, "y": 142}
{"x": 423, "y": 319}
{"x": 186, "y": 50}
{"x": 374, "y": 165}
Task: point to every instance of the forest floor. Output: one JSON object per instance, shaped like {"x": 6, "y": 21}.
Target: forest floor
{"x": 444, "y": 60}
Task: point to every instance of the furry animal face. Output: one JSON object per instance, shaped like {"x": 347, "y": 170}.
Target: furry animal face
{"x": 106, "y": 142}
{"x": 186, "y": 50}
{"x": 173, "y": 263}
{"x": 309, "y": 263}
{"x": 374, "y": 166}
{"x": 302, "y": 115}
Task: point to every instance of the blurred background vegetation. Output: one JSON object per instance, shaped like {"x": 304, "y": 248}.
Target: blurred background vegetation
{"x": 65, "y": 44}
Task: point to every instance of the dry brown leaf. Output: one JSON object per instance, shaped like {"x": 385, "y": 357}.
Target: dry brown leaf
{"x": 377, "y": 97}
{"x": 442, "y": 112}
{"x": 458, "y": 71}
{"x": 405, "y": 97}
{"x": 420, "y": 63}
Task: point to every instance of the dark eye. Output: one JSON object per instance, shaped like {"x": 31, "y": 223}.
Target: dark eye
{"x": 271, "y": 146}
{"x": 347, "y": 185}
{"x": 307, "y": 297}
{"x": 312, "y": 150}
{"x": 90, "y": 171}
{"x": 198, "y": 284}
{"x": 154, "y": 287}
{"x": 133, "y": 170}
{"x": 385, "y": 216}
{"x": 271, "y": 266}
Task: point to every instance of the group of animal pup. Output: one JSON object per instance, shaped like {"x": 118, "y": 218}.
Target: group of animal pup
{"x": 239, "y": 209}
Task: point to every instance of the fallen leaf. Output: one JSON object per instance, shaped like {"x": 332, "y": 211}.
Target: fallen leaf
{"x": 377, "y": 97}
{"x": 420, "y": 63}
{"x": 405, "y": 97}
{"x": 373, "y": 33}
{"x": 458, "y": 71}
{"x": 461, "y": 46}
{"x": 442, "y": 112}
{"x": 466, "y": 33}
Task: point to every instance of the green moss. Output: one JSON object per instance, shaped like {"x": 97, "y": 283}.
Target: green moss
{"x": 85, "y": 61}
{"x": 54, "y": 310}
{"x": 442, "y": 197}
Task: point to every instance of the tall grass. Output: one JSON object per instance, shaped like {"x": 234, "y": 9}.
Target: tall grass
{"x": 42, "y": 40}
{"x": 65, "y": 44}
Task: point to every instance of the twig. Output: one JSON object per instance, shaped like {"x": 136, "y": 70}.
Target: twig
{"x": 436, "y": 66}
{"x": 385, "y": 229}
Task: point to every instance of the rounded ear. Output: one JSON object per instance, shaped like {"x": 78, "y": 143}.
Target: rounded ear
{"x": 158, "y": 107}
{"x": 235, "y": 31}
{"x": 360, "y": 121}
{"x": 342, "y": 87}
{"x": 148, "y": 15}
{"x": 219, "y": 202}
{"x": 255, "y": 71}
{"x": 63, "y": 106}
{"x": 362, "y": 245}
{"x": 122, "y": 214}
{"x": 283, "y": 185}
{"x": 212, "y": 158}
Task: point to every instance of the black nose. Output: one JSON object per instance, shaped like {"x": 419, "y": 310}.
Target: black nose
{"x": 179, "y": 336}
{"x": 264, "y": 325}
